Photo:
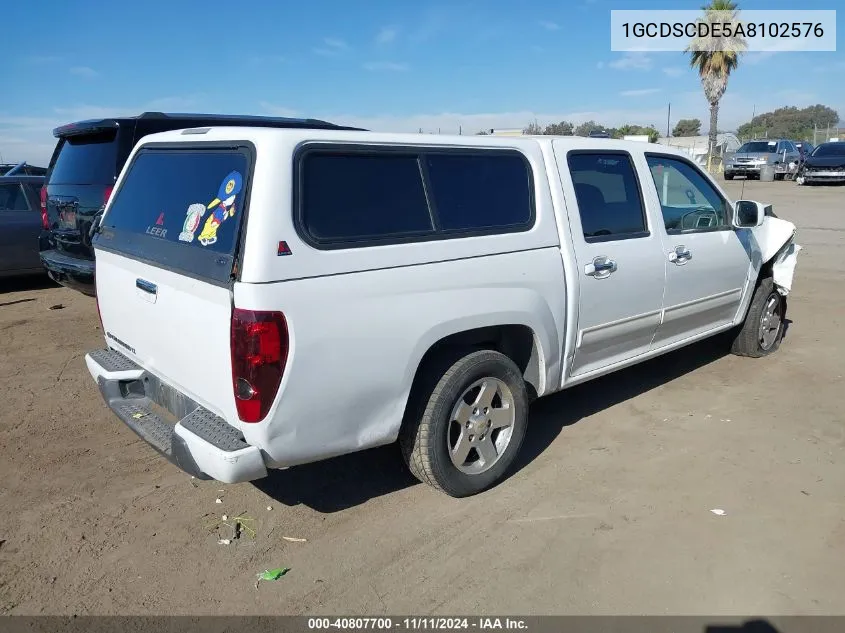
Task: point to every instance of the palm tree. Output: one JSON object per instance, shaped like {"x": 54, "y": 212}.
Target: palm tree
{"x": 715, "y": 59}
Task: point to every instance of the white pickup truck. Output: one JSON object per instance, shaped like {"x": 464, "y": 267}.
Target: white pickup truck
{"x": 271, "y": 297}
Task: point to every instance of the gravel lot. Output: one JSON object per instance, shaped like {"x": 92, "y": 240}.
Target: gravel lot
{"x": 608, "y": 512}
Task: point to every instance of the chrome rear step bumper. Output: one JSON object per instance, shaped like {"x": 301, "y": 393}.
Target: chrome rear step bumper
{"x": 200, "y": 442}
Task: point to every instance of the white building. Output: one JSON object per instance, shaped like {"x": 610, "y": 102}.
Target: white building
{"x": 696, "y": 146}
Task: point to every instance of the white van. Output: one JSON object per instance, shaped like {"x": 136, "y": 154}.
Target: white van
{"x": 271, "y": 297}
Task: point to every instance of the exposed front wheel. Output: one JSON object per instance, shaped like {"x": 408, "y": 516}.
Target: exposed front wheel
{"x": 764, "y": 324}
{"x": 462, "y": 434}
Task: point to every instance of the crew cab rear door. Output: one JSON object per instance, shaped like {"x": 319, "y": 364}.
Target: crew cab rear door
{"x": 620, "y": 268}
{"x": 165, "y": 254}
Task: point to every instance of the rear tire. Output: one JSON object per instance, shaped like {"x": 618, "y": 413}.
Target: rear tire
{"x": 762, "y": 330}
{"x": 465, "y": 422}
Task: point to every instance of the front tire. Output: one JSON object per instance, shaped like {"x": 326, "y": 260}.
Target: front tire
{"x": 461, "y": 435}
{"x": 728, "y": 176}
{"x": 762, "y": 331}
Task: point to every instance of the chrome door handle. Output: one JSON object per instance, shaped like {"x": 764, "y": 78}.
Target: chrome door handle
{"x": 680, "y": 255}
{"x": 601, "y": 267}
{"x": 146, "y": 286}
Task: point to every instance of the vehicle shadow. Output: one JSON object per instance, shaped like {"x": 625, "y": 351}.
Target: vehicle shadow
{"x": 25, "y": 284}
{"x": 759, "y": 625}
{"x": 340, "y": 483}
{"x": 343, "y": 482}
{"x": 550, "y": 415}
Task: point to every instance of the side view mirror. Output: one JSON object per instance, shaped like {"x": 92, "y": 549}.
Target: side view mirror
{"x": 749, "y": 213}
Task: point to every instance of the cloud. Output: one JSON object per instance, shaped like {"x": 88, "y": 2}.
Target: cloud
{"x": 641, "y": 92}
{"x": 387, "y": 35}
{"x": 277, "y": 110}
{"x": 332, "y": 47}
{"x": 30, "y": 138}
{"x": 84, "y": 71}
{"x": 549, "y": 26}
{"x": 385, "y": 66}
{"x": 42, "y": 59}
{"x": 673, "y": 71}
{"x": 434, "y": 22}
{"x": 632, "y": 61}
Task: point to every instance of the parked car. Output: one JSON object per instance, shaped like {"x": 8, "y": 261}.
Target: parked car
{"x": 825, "y": 165}
{"x": 88, "y": 157}
{"x": 20, "y": 224}
{"x": 599, "y": 134}
{"x": 275, "y": 297}
{"x": 754, "y": 154}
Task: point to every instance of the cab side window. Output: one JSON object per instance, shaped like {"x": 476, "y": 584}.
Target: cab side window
{"x": 688, "y": 201}
{"x": 608, "y": 195}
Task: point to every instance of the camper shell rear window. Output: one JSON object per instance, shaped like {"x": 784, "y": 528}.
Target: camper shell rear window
{"x": 181, "y": 207}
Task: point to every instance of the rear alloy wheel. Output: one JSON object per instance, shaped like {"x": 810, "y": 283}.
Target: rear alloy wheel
{"x": 461, "y": 435}
{"x": 763, "y": 329}
{"x": 480, "y": 426}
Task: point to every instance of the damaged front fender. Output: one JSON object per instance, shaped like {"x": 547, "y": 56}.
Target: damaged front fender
{"x": 776, "y": 241}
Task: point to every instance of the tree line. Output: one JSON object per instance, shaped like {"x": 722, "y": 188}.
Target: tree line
{"x": 790, "y": 122}
{"x": 787, "y": 122}
{"x": 565, "y": 128}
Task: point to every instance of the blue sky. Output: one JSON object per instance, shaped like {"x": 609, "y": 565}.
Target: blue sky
{"x": 387, "y": 65}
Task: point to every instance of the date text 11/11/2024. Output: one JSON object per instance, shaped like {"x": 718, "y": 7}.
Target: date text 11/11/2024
{"x": 418, "y": 623}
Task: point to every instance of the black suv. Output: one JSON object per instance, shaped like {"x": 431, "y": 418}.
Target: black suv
{"x": 85, "y": 164}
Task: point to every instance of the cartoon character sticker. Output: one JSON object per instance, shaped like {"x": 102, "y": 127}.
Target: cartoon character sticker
{"x": 192, "y": 222}
{"x": 223, "y": 207}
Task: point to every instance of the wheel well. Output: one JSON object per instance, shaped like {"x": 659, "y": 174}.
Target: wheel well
{"x": 514, "y": 341}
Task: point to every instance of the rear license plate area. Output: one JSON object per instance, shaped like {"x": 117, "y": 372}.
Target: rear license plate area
{"x": 173, "y": 404}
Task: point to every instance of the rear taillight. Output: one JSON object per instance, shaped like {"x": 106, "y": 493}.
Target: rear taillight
{"x": 45, "y": 221}
{"x": 259, "y": 346}
{"x": 107, "y": 195}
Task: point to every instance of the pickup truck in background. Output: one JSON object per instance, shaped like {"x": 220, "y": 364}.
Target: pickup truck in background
{"x": 272, "y": 297}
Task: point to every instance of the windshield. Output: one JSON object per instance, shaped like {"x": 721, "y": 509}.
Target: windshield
{"x": 830, "y": 149}
{"x": 758, "y": 147}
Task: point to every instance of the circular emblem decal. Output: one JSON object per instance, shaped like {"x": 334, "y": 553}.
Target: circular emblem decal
{"x": 230, "y": 186}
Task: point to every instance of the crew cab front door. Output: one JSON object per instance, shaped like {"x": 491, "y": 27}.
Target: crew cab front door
{"x": 620, "y": 268}
{"x": 707, "y": 266}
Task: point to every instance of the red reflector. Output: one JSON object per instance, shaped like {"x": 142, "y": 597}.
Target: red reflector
{"x": 107, "y": 195}
{"x": 259, "y": 348}
{"x": 45, "y": 221}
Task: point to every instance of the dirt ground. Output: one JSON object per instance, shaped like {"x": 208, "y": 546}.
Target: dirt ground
{"x": 609, "y": 510}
